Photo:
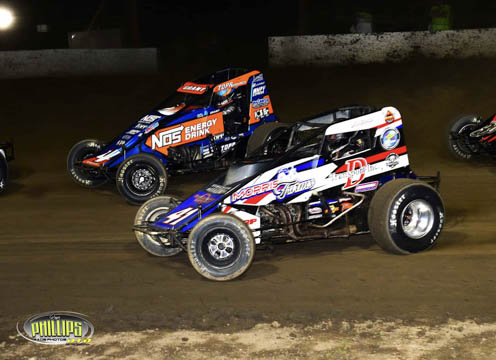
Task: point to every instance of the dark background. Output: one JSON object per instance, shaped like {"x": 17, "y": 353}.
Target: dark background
{"x": 221, "y": 24}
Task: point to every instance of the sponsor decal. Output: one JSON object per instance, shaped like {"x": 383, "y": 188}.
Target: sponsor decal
{"x": 254, "y": 190}
{"x": 228, "y": 86}
{"x": 143, "y": 123}
{"x": 148, "y": 119}
{"x": 227, "y": 147}
{"x": 261, "y": 103}
{"x": 287, "y": 175}
{"x": 199, "y": 130}
{"x": 189, "y": 131}
{"x": 259, "y": 114}
{"x": 367, "y": 186}
{"x": 390, "y": 139}
{"x": 286, "y": 184}
{"x": 394, "y": 212}
{"x": 361, "y": 123}
{"x": 203, "y": 198}
{"x": 258, "y": 78}
{"x": 260, "y": 109}
{"x": 260, "y": 90}
{"x": 392, "y": 160}
{"x": 250, "y": 221}
{"x": 151, "y": 127}
{"x": 389, "y": 118}
{"x": 288, "y": 189}
{"x": 346, "y": 206}
{"x": 315, "y": 210}
{"x": 206, "y": 151}
{"x": 133, "y": 132}
{"x": 236, "y": 82}
{"x": 355, "y": 168}
{"x": 218, "y": 189}
{"x": 141, "y": 126}
{"x": 355, "y": 172}
{"x": 57, "y": 328}
{"x": 334, "y": 209}
{"x": 193, "y": 88}
{"x": 166, "y": 138}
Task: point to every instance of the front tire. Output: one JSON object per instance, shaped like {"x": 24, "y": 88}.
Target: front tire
{"x": 406, "y": 216}
{"x": 140, "y": 178}
{"x": 4, "y": 173}
{"x": 458, "y": 141}
{"x": 150, "y": 211}
{"x": 85, "y": 175}
{"x": 221, "y": 247}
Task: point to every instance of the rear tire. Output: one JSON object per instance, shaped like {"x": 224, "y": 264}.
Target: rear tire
{"x": 84, "y": 175}
{"x": 221, "y": 247}
{"x": 4, "y": 173}
{"x": 148, "y": 212}
{"x": 406, "y": 216}
{"x": 459, "y": 147}
{"x": 262, "y": 135}
{"x": 140, "y": 178}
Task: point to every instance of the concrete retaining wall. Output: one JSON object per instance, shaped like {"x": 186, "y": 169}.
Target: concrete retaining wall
{"x": 375, "y": 48}
{"x": 76, "y": 62}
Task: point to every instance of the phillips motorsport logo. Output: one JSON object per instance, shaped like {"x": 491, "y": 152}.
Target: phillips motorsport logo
{"x": 57, "y": 328}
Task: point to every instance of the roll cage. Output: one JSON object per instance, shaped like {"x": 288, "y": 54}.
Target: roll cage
{"x": 207, "y": 98}
{"x": 316, "y": 126}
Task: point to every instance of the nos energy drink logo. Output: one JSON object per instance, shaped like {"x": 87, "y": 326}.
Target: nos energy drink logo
{"x": 57, "y": 328}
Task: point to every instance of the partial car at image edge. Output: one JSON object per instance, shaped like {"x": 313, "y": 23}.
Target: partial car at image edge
{"x": 6, "y": 155}
{"x": 470, "y": 135}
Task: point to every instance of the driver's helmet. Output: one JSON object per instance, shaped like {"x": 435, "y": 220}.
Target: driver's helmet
{"x": 344, "y": 145}
{"x": 225, "y": 97}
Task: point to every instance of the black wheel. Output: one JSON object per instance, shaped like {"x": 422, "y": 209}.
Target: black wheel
{"x": 460, "y": 145}
{"x": 85, "y": 175}
{"x": 150, "y": 211}
{"x": 4, "y": 173}
{"x": 406, "y": 216}
{"x": 263, "y": 134}
{"x": 140, "y": 178}
{"x": 221, "y": 247}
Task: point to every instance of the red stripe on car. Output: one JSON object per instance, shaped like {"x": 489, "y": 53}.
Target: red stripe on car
{"x": 375, "y": 158}
{"x": 256, "y": 199}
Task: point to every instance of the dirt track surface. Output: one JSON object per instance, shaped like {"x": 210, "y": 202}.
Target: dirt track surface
{"x": 67, "y": 248}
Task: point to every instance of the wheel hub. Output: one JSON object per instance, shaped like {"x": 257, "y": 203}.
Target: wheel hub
{"x": 221, "y": 246}
{"x": 417, "y": 219}
{"x": 462, "y": 139}
{"x": 142, "y": 179}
